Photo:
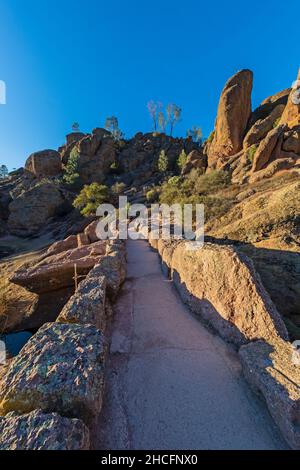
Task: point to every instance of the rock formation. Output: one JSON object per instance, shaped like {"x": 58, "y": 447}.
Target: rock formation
{"x": 45, "y": 163}
{"x": 291, "y": 114}
{"x": 233, "y": 115}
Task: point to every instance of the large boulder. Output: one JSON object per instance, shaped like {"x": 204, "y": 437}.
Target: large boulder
{"x": 57, "y": 271}
{"x": 32, "y": 208}
{"x": 234, "y": 111}
{"x": 291, "y": 141}
{"x": 44, "y": 163}
{"x": 207, "y": 279}
{"x": 268, "y": 105}
{"x": 195, "y": 160}
{"x": 262, "y": 127}
{"x": 40, "y": 431}
{"x": 266, "y": 148}
{"x": 96, "y": 153}
{"x": 74, "y": 137}
{"x": 60, "y": 369}
{"x": 273, "y": 371}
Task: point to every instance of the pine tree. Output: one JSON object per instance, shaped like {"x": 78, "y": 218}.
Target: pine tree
{"x": 163, "y": 162}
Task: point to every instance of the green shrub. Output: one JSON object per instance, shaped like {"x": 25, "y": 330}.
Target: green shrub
{"x": 90, "y": 197}
{"x": 181, "y": 161}
{"x": 211, "y": 182}
{"x": 163, "y": 162}
{"x": 199, "y": 189}
{"x": 71, "y": 176}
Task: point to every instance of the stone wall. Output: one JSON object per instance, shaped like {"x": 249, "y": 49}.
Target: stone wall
{"x": 52, "y": 392}
{"x": 221, "y": 286}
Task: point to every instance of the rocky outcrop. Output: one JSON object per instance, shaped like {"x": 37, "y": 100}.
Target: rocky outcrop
{"x": 40, "y": 431}
{"x": 195, "y": 160}
{"x": 233, "y": 115}
{"x": 273, "y": 371}
{"x": 262, "y": 127}
{"x": 268, "y": 105}
{"x": 57, "y": 271}
{"x": 291, "y": 141}
{"x": 31, "y": 209}
{"x": 137, "y": 158}
{"x": 266, "y": 148}
{"x": 44, "y": 163}
{"x": 291, "y": 114}
{"x": 96, "y": 153}
{"x": 61, "y": 370}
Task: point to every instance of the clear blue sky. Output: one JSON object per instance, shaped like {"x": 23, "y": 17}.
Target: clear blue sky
{"x": 75, "y": 60}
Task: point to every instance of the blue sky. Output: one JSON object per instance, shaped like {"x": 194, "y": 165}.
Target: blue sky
{"x": 74, "y": 60}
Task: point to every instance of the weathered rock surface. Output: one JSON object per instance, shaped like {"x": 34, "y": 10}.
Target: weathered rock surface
{"x": 233, "y": 115}
{"x": 91, "y": 231}
{"x": 262, "y": 127}
{"x": 57, "y": 271}
{"x": 68, "y": 243}
{"x": 207, "y": 280}
{"x": 96, "y": 154}
{"x": 273, "y": 373}
{"x": 113, "y": 268}
{"x": 291, "y": 114}
{"x": 268, "y": 105}
{"x": 291, "y": 142}
{"x": 32, "y": 208}
{"x": 44, "y": 163}
{"x": 60, "y": 369}
{"x": 39, "y": 431}
{"x": 87, "y": 305}
{"x": 266, "y": 148}
{"x": 195, "y": 160}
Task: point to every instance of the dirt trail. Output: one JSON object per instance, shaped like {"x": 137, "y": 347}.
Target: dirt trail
{"x": 172, "y": 384}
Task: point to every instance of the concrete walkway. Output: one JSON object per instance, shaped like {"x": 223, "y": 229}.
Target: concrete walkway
{"x": 172, "y": 384}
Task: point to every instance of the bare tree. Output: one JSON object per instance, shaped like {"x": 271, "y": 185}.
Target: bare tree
{"x": 173, "y": 115}
{"x": 195, "y": 133}
{"x": 162, "y": 121}
{"x": 152, "y": 108}
{"x": 112, "y": 125}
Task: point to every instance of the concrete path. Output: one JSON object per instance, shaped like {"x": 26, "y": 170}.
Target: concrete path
{"x": 172, "y": 384}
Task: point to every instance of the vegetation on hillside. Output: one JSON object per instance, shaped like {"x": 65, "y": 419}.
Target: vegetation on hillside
{"x": 90, "y": 198}
{"x": 209, "y": 189}
{"x": 71, "y": 175}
